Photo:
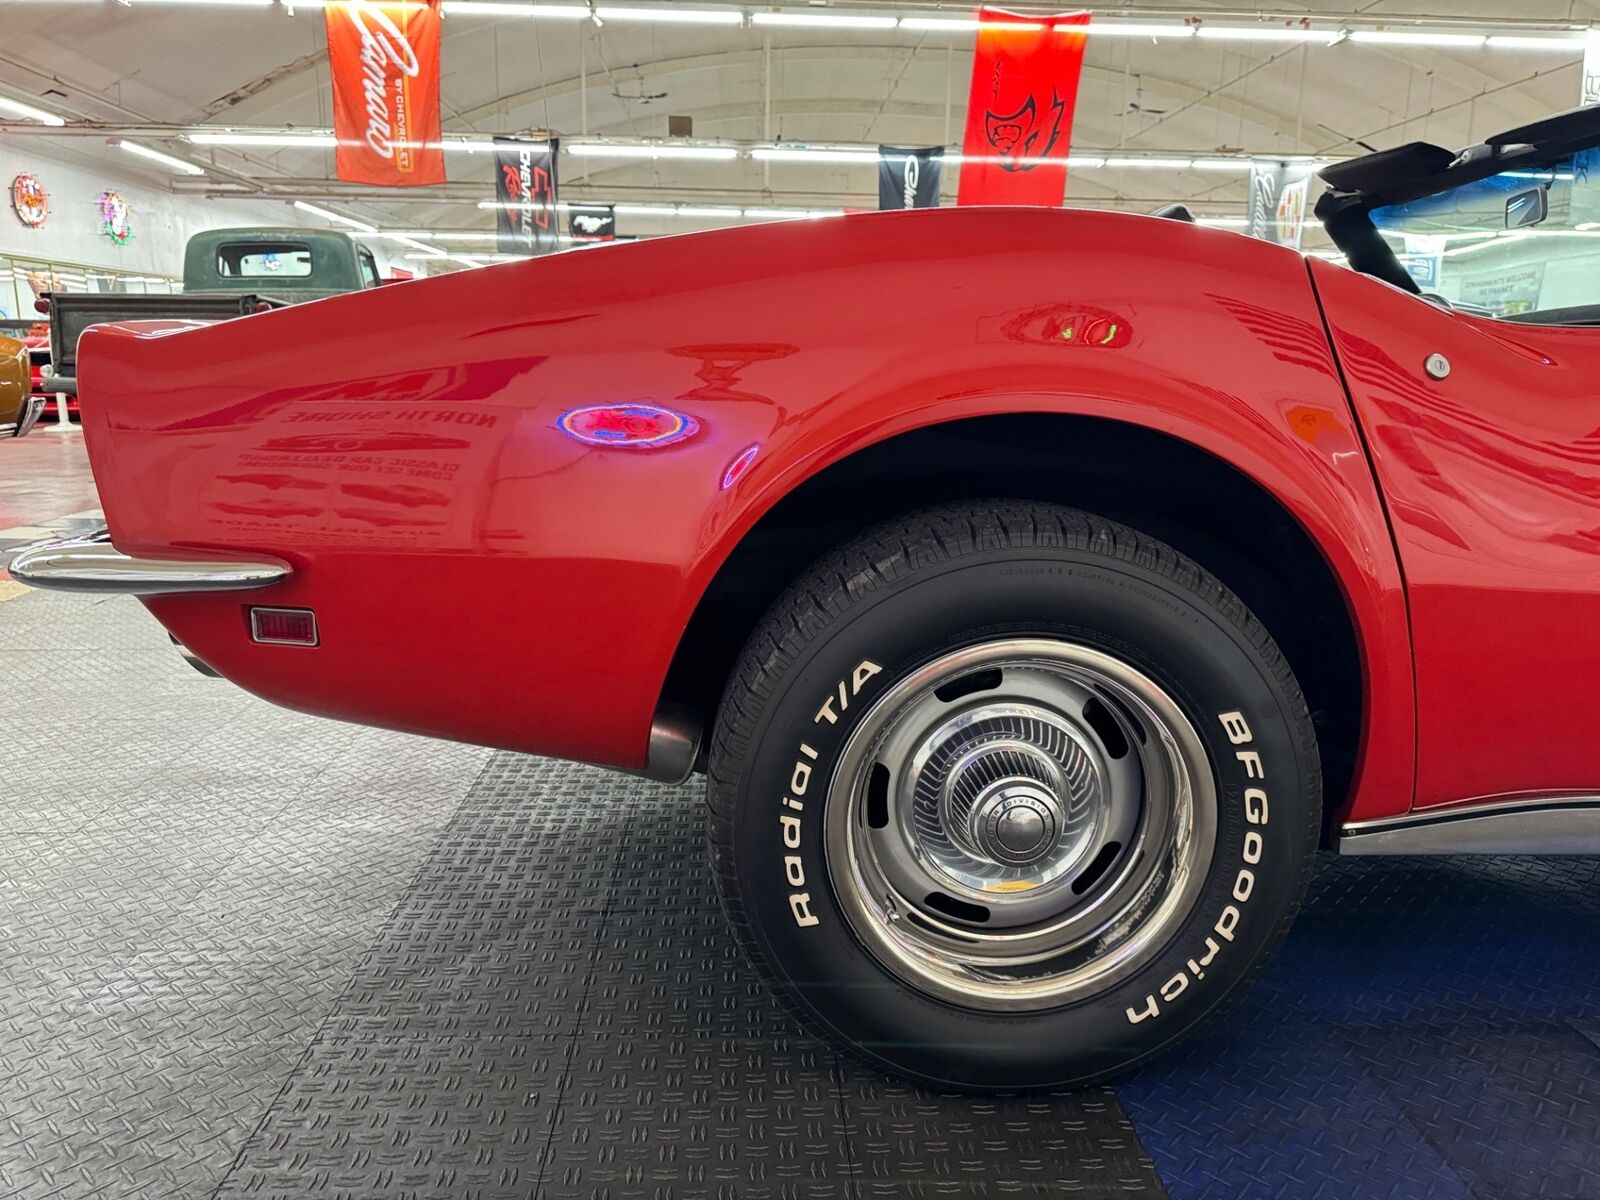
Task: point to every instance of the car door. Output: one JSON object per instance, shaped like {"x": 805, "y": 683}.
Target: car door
{"x": 1485, "y": 437}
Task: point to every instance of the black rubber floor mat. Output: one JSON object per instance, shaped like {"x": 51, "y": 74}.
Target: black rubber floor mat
{"x": 556, "y": 1010}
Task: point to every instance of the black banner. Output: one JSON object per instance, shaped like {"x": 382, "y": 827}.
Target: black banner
{"x": 525, "y": 197}
{"x": 592, "y": 222}
{"x": 909, "y": 178}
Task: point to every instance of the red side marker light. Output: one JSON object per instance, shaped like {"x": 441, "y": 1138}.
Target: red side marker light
{"x": 283, "y": 626}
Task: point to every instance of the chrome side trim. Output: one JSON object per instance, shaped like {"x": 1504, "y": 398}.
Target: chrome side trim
{"x": 92, "y": 564}
{"x": 674, "y": 744}
{"x": 1561, "y": 824}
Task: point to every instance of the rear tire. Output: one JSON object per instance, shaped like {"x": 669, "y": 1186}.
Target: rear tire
{"x": 1006, "y": 796}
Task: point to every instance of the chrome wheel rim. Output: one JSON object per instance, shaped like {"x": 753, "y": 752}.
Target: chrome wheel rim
{"x": 1020, "y": 824}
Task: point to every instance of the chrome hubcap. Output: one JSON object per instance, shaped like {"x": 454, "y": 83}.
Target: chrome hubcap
{"x": 1016, "y": 824}
{"x": 1019, "y": 824}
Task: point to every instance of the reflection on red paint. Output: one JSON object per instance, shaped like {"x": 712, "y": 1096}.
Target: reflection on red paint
{"x": 634, "y": 426}
{"x": 1065, "y": 325}
{"x": 739, "y": 465}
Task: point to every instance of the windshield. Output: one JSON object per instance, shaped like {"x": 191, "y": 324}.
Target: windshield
{"x": 1524, "y": 241}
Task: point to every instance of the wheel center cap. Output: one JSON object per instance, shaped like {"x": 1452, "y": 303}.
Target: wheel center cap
{"x": 1017, "y": 823}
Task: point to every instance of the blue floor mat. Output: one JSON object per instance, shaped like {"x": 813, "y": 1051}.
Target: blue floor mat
{"x": 1430, "y": 1030}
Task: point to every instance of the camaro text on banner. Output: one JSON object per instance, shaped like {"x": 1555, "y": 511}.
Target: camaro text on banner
{"x": 384, "y": 60}
{"x": 1019, "y": 111}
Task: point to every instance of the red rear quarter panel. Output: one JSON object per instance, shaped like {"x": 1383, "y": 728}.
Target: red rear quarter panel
{"x": 479, "y": 573}
{"x": 1493, "y": 482}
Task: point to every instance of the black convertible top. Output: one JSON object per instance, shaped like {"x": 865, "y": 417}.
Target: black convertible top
{"x": 1420, "y": 169}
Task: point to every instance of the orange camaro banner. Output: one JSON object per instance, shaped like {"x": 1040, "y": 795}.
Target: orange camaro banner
{"x": 1019, "y": 111}
{"x": 384, "y": 59}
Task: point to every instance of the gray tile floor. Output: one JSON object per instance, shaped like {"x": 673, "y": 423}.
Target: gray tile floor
{"x": 251, "y": 953}
{"x": 186, "y": 876}
{"x": 245, "y": 952}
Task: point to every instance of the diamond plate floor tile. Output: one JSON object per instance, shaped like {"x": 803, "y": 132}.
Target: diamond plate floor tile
{"x": 254, "y": 954}
{"x": 686, "y": 1079}
{"x": 188, "y": 876}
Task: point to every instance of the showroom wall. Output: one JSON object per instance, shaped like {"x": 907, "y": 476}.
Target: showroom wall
{"x": 161, "y": 221}
{"x": 73, "y": 238}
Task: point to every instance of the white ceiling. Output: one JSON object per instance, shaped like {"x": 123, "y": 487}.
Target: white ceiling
{"x": 181, "y": 65}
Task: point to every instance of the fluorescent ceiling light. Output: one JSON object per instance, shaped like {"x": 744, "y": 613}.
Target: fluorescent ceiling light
{"x": 686, "y": 16}
{"x": 27, "y": 110}
{"x": 800, "y": 154}
{"x": 960, "y": 24}
{"x": 789, "y": 214}
{"x": 1268, "y": 33}
{"x": 708, "y": 212}
{"x": 1221, "y": 164}
{"x": 822, "y": 20}
{"x": 1072, "y": 160}
{"x": 451, "y": 235}
{"x": 338, "y": 218}
{"x": 1170, "y": 164}
{"x": 613, "y": 150}
{"x": 940, "y": 24}
{"x": 1396, "y": 37}
{"x": 498, "y": 8}
{"x": 1138, "y": 29}
{"x": 224, "y": 3}
{"x": 166, "y": 160}
{"x": 325, "y": 140}
{"x": 1570, "y": 45}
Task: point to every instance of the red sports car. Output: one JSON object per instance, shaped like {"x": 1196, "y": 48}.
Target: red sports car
{"x": 1048, "y": 585}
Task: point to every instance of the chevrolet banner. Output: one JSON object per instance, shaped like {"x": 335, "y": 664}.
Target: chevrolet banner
{"x": 525, "y": 197}
{"x": 384, "y": 62}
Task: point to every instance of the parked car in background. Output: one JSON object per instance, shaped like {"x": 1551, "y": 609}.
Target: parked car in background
{"x": 35, "y": 335}
{"x": 19, "y": 403}
{"x": 1050, "y": 583}
{"x": 226, "y": 273}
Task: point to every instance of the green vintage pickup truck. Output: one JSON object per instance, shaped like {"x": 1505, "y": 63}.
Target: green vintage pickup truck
{"x": 226, "y": 273}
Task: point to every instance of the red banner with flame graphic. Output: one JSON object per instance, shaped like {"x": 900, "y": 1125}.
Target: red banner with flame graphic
{"x": 384, "y": 59}
{"x": 1019, "y": 111}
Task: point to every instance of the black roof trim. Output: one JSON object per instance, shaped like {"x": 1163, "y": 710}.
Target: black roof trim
{"x": 1420, "y": 169}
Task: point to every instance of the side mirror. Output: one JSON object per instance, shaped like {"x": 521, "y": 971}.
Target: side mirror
{"x": 1528, "y": 208}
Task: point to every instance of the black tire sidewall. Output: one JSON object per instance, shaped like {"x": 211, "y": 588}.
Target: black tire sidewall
{"x": 1207, "y": 661}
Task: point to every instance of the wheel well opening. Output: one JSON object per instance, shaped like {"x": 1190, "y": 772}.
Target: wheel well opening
{"x": 1166, "y": 487}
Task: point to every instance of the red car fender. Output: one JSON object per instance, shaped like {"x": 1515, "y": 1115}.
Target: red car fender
{"x": 1312, "y": 464}
{"x": 600, "y": 429}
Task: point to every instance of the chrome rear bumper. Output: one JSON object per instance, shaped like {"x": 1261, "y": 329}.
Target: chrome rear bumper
{"x": 92, "y": 564}
{"x": 30, "y": 414}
